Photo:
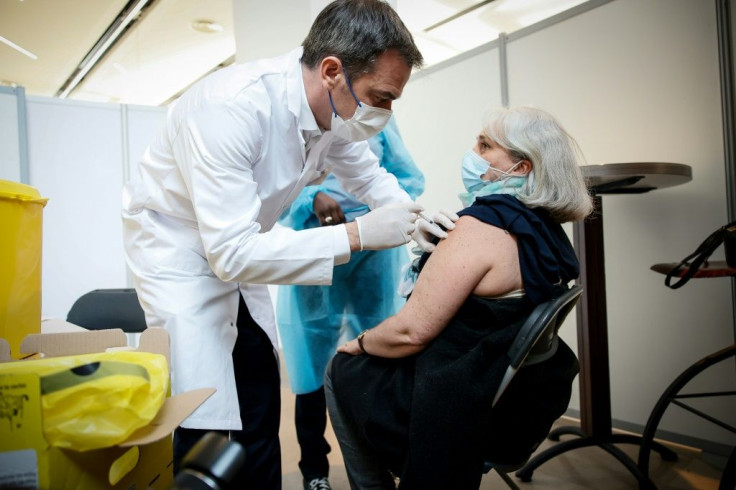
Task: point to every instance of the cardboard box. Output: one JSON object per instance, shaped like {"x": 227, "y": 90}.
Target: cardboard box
{"x": 143, "y": 461}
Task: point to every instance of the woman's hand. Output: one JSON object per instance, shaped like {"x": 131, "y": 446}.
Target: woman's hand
{"x": 351, "y": 348}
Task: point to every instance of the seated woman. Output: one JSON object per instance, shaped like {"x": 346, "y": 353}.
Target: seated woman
{"x": 412, "y": 396}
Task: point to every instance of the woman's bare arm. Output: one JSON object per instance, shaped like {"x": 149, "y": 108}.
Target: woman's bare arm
{"x": 462, "y": 264}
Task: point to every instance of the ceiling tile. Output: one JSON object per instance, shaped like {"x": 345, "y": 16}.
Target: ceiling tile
{"x": 59, "y": 32}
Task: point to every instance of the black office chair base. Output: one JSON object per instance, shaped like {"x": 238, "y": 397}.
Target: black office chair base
{"x": 525, "y": 474}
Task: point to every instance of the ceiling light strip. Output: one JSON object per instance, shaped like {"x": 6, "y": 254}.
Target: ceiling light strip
{"x": 458, "y": 15}
{"x": 18, "y": 48}
{"x": 109, "y": 38}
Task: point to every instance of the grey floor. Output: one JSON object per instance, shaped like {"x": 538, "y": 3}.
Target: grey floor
{"x": 579, "y": 469}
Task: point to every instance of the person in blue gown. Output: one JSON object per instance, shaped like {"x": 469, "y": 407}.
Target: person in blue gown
{"x": 313, "y": 320}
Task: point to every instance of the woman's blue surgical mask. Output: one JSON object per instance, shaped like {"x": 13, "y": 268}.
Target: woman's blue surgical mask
{"x": 367, "y": 121}
{"x": 474, "y": 166}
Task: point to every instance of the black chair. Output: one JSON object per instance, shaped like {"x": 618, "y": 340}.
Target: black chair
{"x": 536, "y": 342}
{"x": 108, "y": 308}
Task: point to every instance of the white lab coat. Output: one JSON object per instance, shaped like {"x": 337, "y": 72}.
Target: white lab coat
{"x": 198, "y": 215}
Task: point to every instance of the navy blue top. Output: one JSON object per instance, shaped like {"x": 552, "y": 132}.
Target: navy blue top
{"x": 546, "y": 256}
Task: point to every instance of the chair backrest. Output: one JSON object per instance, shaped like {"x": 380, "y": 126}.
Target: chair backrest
{"x": 537, "y": 339}
{"x": 108, "y": 308}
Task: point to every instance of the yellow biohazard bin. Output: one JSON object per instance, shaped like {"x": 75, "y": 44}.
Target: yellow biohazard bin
{"x": 21, "y": 219}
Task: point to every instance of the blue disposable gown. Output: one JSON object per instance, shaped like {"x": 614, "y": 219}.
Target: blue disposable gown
{"x": 313, "y": 319}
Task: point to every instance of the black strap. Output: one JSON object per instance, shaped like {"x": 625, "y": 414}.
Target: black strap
{"x": 698, "y": 257}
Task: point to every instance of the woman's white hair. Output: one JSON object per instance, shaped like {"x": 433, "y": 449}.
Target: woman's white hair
{"x": 555, "y": 182}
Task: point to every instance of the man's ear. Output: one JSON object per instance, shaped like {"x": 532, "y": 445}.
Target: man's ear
{"x": 330, "y": 69}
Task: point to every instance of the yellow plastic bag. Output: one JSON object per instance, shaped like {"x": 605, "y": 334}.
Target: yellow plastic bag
{"x": 97, "y": 400}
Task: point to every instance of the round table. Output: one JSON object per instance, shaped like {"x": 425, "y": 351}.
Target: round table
{"x": 635, "y": 178}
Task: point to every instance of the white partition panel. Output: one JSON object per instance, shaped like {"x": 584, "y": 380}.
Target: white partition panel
{"x": 75, "y": 160}
{"x": 80, "y": 154}
{"x": 267, "y": 29}
{"x": 439, "y": 115}
{"x": 644, "y": 87}
{"x": 10, "y": 163}
{"x": 141, "y": 124}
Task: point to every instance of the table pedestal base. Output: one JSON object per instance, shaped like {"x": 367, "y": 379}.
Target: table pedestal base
{"x": 606, "y": 443}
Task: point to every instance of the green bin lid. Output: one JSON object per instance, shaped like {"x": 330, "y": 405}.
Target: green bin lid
{"x": 21, "y": 192}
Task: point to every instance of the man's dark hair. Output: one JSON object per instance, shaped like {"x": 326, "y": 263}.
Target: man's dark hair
{"x": 357, "y": 32}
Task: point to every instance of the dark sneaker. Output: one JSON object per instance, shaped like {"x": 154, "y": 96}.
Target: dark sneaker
{"x": 317, "y": 484}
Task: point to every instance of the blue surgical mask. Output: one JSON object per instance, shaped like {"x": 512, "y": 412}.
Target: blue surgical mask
{"x": 474, "y": 166}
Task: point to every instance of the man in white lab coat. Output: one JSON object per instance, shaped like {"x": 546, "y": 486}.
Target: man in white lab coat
{"x": 235, "y": 151}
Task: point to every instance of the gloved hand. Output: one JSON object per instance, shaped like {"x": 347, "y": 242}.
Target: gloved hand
{"x": 388, "y": 226}
{"x": 424, "y": 231}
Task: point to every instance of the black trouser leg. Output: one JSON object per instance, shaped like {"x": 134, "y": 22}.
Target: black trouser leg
{"x": 259, "y": 395}
{"x": 311, "y": 420}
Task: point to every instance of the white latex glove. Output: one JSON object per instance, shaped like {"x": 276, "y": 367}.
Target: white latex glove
{"x": 424, "y": 231}
{"x": 388, "y": 226}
